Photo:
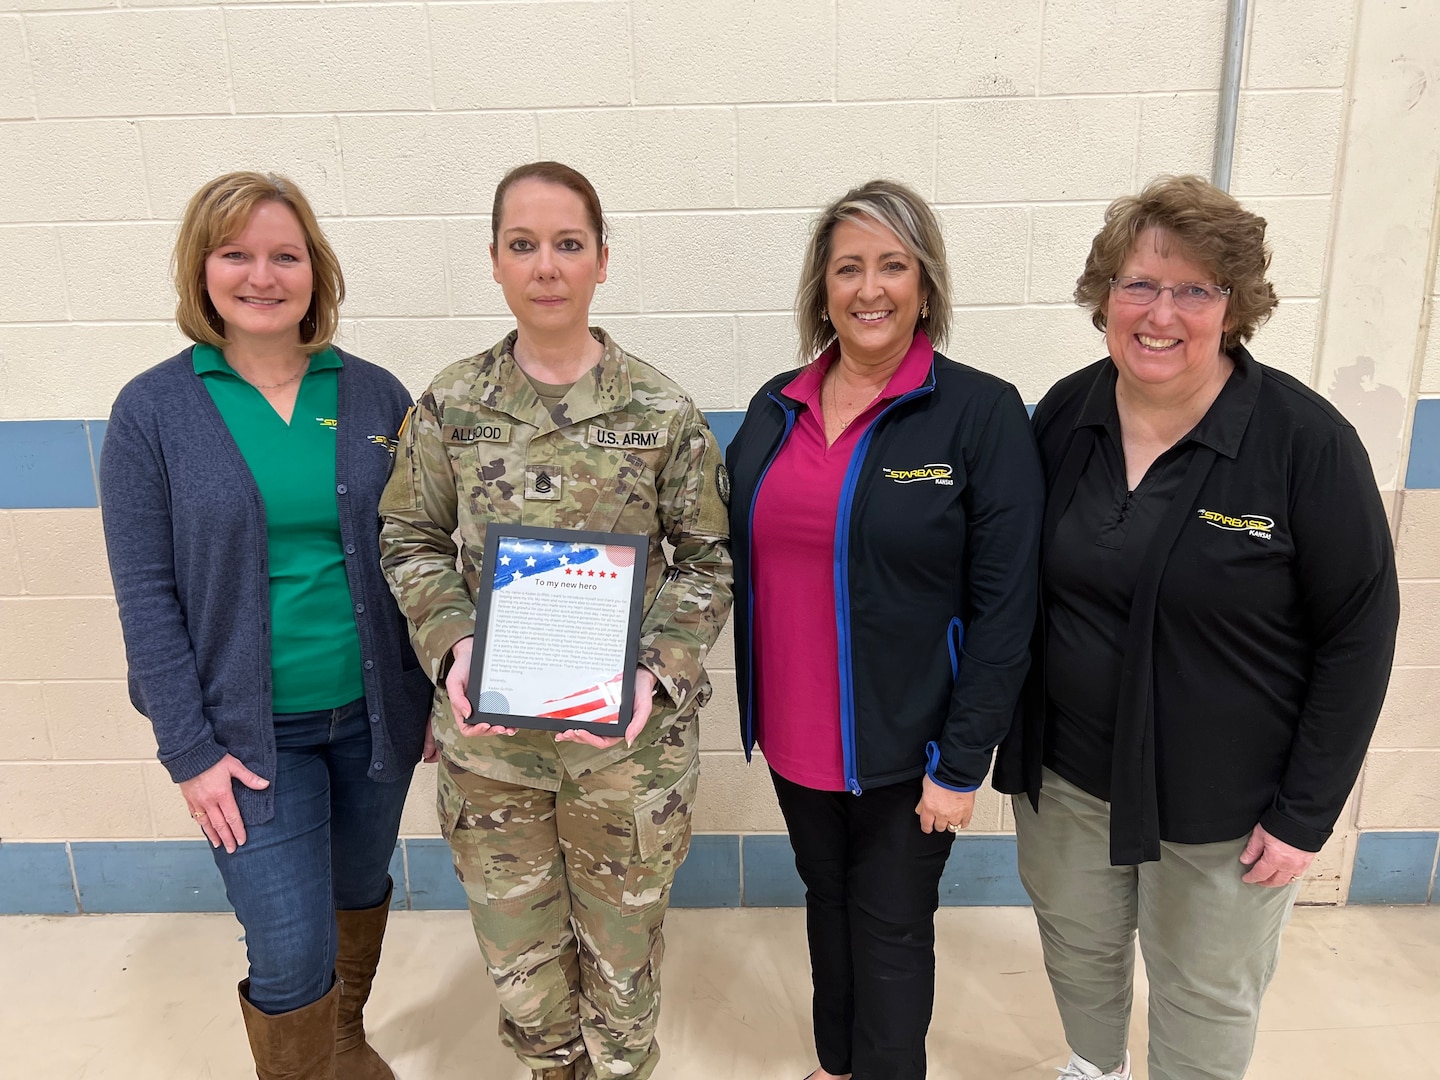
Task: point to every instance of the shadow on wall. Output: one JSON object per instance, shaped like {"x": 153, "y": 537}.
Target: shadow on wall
{"x": 1377, "y": 412}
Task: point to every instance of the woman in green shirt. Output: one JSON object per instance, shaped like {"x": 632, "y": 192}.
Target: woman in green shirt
{"x": 240, "y": 483}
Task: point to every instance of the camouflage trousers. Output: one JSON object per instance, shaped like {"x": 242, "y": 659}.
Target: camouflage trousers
{"x": 568, "y": 891}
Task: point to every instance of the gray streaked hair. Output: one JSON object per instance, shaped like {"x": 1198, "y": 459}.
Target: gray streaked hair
{"x": 909, "y": 217}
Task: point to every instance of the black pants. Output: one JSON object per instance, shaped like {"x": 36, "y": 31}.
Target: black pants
{"x": 872, "y": 884}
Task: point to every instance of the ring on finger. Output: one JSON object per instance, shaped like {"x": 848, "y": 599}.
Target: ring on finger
{"x": 200, "y": 815}
{"x": 953, "y": 828}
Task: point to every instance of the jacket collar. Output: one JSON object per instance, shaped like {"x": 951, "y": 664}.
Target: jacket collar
{"x": 916, "y": 371}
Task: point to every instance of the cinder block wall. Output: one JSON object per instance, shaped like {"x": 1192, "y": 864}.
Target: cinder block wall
{"x": 713, "y": 131}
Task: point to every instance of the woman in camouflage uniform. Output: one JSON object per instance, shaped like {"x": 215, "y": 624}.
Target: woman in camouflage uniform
{"x": 566, "y": 843}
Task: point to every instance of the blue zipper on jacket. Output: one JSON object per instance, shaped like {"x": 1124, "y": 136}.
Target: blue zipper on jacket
{"x": 842, "y": 585}
{"x": 750, "y": 559}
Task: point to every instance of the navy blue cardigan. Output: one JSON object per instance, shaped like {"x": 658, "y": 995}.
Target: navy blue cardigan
{"x": 185, "y": 532}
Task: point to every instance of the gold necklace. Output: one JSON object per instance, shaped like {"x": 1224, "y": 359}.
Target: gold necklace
{"x": 835, "y": 400}
{"x": 284, "y": 382}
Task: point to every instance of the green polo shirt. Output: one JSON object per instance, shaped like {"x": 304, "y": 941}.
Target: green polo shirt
{"x": 314, "y": 645}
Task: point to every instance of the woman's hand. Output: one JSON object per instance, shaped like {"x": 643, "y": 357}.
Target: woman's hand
{"x": 211, "y": 800}
{"x": 644, "y": 702}
{"x": 941, "y": 809}
{"x": 431, "y": 752}
{"x": 1273, "y": 863}
{"x": 456, "y": 685}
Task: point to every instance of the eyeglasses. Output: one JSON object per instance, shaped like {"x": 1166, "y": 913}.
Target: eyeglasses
{"x": 1188, "y": 295}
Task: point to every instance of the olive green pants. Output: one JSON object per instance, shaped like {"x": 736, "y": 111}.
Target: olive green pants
{"x": 1210, "y": 941}
{"x": 568, "y": 891}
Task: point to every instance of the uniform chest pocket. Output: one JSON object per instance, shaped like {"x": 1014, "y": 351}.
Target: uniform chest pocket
{"x": 625, "y": 496}
{"x": 489, "y": 484}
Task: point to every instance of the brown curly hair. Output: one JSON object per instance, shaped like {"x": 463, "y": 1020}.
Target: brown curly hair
{"x": 1208, "y": 226}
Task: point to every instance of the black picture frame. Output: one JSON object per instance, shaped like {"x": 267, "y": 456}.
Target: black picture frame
{"x": 548, "y": 589}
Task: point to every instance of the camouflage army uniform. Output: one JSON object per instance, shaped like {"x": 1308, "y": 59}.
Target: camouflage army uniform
{"x": 566, "y": 851}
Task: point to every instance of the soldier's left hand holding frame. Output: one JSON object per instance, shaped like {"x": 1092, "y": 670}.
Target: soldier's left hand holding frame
{"x": 558, "y": 621}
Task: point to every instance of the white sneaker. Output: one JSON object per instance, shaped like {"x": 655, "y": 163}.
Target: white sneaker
{"x": 1080, "y": 1069}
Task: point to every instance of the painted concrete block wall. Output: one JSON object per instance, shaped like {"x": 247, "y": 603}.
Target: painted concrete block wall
{"x": 713, "y": 131}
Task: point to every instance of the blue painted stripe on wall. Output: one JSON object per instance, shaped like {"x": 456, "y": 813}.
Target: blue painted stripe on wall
{"x": 96, "y": 430}
{"x": 433, "y": 884}
{"x": 982, "y": 872}
{"x": 51, "y": 463}
{"x": 179, "y": 875}
{"x": 35, "y": 880}
{"x": 724, "y": 423}
{"x": 400, "y": 897}
{"x": 175, "y": 875}
{"x": 710, "y": 875}
{"x": 46, "y": 465}
{"x": 1393, "y": 868}
{"x": 771, "y": 879}
{"x": 1424, "y": 470}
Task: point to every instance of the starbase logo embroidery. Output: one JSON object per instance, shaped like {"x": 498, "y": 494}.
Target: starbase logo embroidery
{"x": 938, "y": 473}
{"x": 1257, "y": 525}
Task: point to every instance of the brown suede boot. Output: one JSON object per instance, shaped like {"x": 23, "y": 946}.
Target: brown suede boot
{"x": 297, "y": 1045}
{"x": 356, "y": 957}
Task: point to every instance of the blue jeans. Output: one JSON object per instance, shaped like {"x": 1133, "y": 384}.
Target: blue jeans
{"x": 328, "y": 846}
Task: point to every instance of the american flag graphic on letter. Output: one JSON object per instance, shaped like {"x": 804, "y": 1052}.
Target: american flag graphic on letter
{"x": 595, "y": 704}
{"x": 516, "y": 560}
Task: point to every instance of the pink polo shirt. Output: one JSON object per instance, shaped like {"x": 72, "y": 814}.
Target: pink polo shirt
{"x": 797, "y": 668}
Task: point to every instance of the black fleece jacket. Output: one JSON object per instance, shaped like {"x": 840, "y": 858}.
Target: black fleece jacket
{"x": 936, "y": 552}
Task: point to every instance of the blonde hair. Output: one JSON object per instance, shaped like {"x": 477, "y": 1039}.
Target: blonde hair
{"x": 1208, "y": 226}
{"x": 218, "y": 213}
{"x": 909, "y": 217}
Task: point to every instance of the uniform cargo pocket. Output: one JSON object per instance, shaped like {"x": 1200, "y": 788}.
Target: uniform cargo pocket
{"x": 662, "y": 839}
{"x": 502, "y": 841}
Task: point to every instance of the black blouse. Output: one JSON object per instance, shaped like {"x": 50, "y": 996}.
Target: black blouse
{"x": 1236, "y": 648}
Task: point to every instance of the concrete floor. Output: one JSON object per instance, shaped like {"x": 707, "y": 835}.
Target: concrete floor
{"x": 152, "y": 997}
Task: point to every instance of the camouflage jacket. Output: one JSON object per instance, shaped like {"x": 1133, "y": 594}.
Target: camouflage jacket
{"x": 626, "y": 452}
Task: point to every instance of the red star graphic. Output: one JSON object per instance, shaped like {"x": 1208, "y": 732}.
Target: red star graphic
{"x": 567, "y": 569}
{"x": 591, "y": 573}
{"x": 613, "y": 574}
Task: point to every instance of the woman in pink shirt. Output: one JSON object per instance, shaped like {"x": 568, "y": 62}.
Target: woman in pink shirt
{"x": 885, "y": 509}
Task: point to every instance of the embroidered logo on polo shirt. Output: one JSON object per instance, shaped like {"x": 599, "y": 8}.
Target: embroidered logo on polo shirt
{"x": 938, "y": 473}
{"x": 1257, "y": 525}
{"x": 381, "y": 440}
{"x": 325, "y": 421}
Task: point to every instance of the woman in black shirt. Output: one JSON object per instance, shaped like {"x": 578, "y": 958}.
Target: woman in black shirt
{"x": 1219, "y": 612}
